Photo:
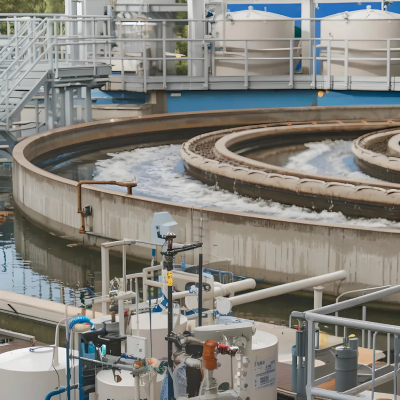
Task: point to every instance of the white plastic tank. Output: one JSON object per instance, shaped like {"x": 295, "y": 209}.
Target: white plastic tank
{"x": 26, "y": 374}
{"x": 261, "y": 354}
{"x": 251, "y": 25}
{"x": 107, "y": 388}
{"x": 367, "y": 25}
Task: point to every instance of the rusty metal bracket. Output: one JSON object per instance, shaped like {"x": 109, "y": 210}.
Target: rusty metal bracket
{"x": 128, "y": 185}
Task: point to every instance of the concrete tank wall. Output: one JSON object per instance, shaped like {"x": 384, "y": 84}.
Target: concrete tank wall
{"x": 275, "y": 249}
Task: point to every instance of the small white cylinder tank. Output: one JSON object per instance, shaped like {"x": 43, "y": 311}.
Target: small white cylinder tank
{"x": 107, "y": 388}
{"x": 251, "y": 25}
{"x": 26, "y": 374}
{"x": 367, "y": 25}
{"x": 261, "y": 364}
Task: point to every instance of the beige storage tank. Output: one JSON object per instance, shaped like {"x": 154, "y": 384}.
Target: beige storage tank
{"x": 364, "y": 24}
{"x": 251, "y": 25}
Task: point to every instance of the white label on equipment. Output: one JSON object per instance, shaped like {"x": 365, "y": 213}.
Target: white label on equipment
{"x": 264, "y": 373}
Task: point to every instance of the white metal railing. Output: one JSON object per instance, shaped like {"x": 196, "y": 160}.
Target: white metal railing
{"x": 44, "y": 45}
{"x": 307, "y": 345}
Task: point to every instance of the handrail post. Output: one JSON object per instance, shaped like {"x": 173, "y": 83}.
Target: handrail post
{"x": 346, "y": 64}
{"x": 389, "y": 83}
{"x": 144, "y": 67}
{"x": 206, "y": 62}
{"x": 55, "y": 49}
{"x": 246, "y": 65}
{"x": 314, "y": 64}
{"x": 291, "y": 65}
{"x": 364, "y": 318}
{"x": 329, "y": 56}
{"x": 164, "y": 59}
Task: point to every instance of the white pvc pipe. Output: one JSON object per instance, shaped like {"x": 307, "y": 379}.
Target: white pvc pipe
{"x": 137, "y": 387}
{"x": 287, "y": 288}
{"x": 221, "y": 289}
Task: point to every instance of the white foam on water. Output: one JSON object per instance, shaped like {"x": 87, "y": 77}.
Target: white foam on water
{"x": 329, "y": 157}
{"x": 160, "y": 174}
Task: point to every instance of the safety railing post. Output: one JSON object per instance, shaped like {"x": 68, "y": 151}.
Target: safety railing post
{"x": 291, "y": 66}
{"x": 388, "y": 348}
{"x": 314, "y": 63}
{"x": 144, "y": 67}
{"x": 164, "y": 59}
{"x": 346, "y": 64}
{"x": 246, "y": 65}
{"x": 310, "y": 357}
{"x": 56, "y": 49}
{"x": 206, "y": 64}
{"x": 329, "y": 57}
{"x": 121, "y": 55}
{"x": 364, "y": 318}
{"x": 388, "y": 77}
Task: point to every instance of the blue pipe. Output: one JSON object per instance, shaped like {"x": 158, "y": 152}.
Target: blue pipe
{"x": 60, "y": 390}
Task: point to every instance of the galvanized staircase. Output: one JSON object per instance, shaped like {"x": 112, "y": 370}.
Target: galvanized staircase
{"x": 44, "y": 53}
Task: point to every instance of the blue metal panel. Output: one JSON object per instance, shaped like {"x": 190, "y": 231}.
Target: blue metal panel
{"x": 235, "y": 99}
{"x": 354, "y": 98}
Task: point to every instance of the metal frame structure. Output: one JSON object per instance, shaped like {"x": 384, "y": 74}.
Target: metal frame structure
{"x": 305, "y": 353}
{"x": 48, "y": 52}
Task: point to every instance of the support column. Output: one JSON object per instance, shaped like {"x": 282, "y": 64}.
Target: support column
{"x": 88, "y": 104}
{"x": 62, "y": 106}
{"x": 79, "y": 111}
{"x": 307, "y": 32}
{"x": 69, "y": 106}
{"x": 196, "y": 10}
{"x": 48, "y": 107}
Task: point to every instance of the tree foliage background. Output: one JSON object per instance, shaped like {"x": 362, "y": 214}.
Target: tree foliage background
{"x": 32, "y": 6}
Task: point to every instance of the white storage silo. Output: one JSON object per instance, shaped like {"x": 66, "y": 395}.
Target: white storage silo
{"x": 251, "y": 25}
{"x": 366, "y": 25}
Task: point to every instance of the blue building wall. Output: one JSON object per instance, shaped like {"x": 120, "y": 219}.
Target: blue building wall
{"x": 235, "y": 99}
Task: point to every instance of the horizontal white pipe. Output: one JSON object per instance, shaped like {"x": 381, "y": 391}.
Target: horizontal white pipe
{"x": 221, "y": 289}
{"x": 287, "y": 288}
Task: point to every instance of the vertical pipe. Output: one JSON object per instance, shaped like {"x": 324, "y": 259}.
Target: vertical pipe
{"x": 345, "y": 331}
{"x": 388, "y": 348}
{"x": 364, "y": 318}
{"x": 137, "y": 387}
{"x": 310, "y": 356}
{"x": 373, "y": 366}
{"x": 396, "y": 365}
{"x": 105, "y": 276}
{"x": 80, "y": 366}
{"x": 369, "y": 339}
{"x": 246, "y": 64}
{"x": 336, "y": 327}
{"x": 137, "y": 306}
{"x": 200, "y": 306}
{"x": 124, "y": 267}
{"x": 121, "y": 317}
{"x": 294, "y": 369}
{"x": 314, "y": 64}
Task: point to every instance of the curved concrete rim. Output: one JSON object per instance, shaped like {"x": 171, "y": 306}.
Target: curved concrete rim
{"x": 362, "y": 153}
{"x": 189, "y": 120}
{"x": 222, "y": 147}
